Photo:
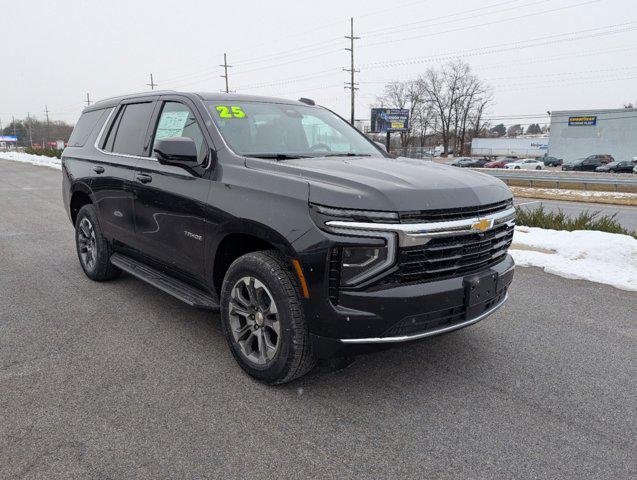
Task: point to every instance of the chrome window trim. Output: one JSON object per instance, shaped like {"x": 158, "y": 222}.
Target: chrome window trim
{"x": 431, "y": 333}
{"x": 410, "y": 234}
{"x": 101, "y": 134}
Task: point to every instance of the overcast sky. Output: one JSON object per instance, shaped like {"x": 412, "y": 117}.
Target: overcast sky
{"x": 537, "y": 55}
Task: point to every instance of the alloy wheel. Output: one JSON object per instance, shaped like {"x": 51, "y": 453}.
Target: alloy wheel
{"x": 254, "y": 321}
{"x": 87, "y": 243}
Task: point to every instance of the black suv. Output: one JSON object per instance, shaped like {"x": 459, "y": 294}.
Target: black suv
{"x": 311, "y": 240}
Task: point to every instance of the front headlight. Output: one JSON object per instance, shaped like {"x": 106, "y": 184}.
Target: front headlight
{"x": 358, "y": 262}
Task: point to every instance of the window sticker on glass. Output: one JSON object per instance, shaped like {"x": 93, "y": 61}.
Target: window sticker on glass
{"x": 230, "y": 111}
{"x": 171, "y": 124}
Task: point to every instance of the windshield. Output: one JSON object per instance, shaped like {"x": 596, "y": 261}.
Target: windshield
{"x": 282, "y": 131}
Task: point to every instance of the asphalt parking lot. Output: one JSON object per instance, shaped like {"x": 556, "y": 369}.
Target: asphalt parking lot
{"x": 118, "y": 380}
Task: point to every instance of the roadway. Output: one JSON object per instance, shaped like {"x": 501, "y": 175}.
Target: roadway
{"x": 119, "y": 380}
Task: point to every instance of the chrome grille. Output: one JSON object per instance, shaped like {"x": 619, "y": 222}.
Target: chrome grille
{"x": 451, "y": 256}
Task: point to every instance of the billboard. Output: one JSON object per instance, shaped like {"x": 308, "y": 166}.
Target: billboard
{"x": 586, "y": 120}
{"x": 8, "y": 138}
{"x": 390, "y": 120}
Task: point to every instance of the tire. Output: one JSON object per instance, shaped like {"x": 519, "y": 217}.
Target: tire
{"x": 538, "y": 168}
{"x": 284, "y": 351}
{"x": 516, "y": 168}
{"x": 93, "y": 250}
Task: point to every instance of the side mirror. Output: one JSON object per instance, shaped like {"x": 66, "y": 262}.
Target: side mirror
{"x": 178, "y": 151}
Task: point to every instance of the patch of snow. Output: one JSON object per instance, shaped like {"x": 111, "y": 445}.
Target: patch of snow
{"x": 576, "y": 193}
{"x": 39, "y": 160}
{"x": 600, "y": 257}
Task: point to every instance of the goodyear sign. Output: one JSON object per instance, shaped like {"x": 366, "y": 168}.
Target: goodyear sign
{"x": 390, "y": 120}
{"x": 585, "y": 120}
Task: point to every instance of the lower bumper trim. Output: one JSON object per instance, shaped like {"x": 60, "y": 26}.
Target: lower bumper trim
{"x": 430, "y": 333}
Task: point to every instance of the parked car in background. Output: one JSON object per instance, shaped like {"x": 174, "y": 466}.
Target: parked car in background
{"x": 604, "y": 158}
{"x": 635, "y": 169}
{"x": 588, "y": 164}
{"x": 461, "y": 161}
{"x": 526, "y": 164}
{"x": 501, "y": 162}
{"x": 552, "y": 161}
{"x": 475, "y": 163}
{"x": 616, "y": 167}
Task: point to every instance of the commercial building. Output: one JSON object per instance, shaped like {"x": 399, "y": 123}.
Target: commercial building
{"x": 580, "y": 133}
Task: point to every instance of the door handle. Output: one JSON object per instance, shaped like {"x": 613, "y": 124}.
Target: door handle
{"x": 97, "y": 169}
{"x": 143, "y": 178}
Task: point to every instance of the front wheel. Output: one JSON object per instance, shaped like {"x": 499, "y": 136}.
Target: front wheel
{"x": 538, "y": 168}
{"x": 262, "y": 318}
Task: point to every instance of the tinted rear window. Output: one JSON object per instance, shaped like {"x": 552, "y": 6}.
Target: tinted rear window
{"x": 132, "y": 128}
{"x": 85, "y": 126}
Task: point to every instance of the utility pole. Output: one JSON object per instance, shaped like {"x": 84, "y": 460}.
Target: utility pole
{"x": 352, "y": 84}
{"x": 46, "y": 112}
{"x": 30, "y": 130}
{"x": 225, "y": 71}
{"x": 152, "y": 83}
{"x": 15, "y": 134}
{"x": 88, "y": 98}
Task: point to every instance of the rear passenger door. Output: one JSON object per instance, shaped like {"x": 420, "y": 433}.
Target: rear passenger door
{"x": 120, "y": 147}
{"x": 170, "y": 203}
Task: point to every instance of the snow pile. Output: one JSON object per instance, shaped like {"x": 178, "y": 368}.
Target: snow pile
{"x": 39, "y": 160}
{"x": 595, "y": 256}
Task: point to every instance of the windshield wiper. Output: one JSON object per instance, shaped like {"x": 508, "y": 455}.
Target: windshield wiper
{"x": 277, "y": 156}
{"x": 347, "y": 154}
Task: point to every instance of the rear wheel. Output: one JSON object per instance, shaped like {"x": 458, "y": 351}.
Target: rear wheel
{"x": 538, "y": 168}
{"x": 93, "y": 250}
{"x": 262, "y": 318}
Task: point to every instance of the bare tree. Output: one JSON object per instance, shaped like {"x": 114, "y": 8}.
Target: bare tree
{"x": 454, "y": 94}
{"x": 449, "y": 102}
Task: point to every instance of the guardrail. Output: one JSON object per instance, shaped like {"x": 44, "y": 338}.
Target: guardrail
{"x": 614, "y": 182}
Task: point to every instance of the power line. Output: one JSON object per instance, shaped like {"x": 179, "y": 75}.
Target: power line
{"x": 494, "y": 22}
{"x": 352, "y": 84}
{"x": 507, "y": 46}
{"x": 453, "y": 16}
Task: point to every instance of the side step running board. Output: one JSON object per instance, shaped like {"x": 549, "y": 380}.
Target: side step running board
{"x": 178, "y": 289}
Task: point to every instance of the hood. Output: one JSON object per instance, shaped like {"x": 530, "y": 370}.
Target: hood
{"x": 393, "y": 184}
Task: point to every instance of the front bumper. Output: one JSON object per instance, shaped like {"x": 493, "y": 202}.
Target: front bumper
{"x": 366, "y": 320}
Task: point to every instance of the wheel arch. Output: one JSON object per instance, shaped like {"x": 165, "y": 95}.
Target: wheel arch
{"x": 80, "y": 195}
{"x": 237, "y": 239}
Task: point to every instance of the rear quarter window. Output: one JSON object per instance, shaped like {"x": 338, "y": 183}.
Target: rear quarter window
{"x": 85, "y": 126}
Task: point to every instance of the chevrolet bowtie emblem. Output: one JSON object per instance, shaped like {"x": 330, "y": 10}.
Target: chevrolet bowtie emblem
{"x": 482, "y": 225}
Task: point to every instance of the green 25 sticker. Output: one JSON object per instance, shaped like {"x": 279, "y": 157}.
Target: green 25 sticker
{"x": 230, "y": 112}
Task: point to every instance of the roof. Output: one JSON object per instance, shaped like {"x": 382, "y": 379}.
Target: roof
{"x": 207, "y": 96}
{"x": 557, "y": 113}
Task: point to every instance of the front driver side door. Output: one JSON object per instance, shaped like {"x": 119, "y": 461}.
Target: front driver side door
{"x": 170, "y": 202}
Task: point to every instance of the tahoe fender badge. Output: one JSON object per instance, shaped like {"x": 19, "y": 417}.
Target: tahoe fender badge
{"x": 193, "y": 235}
